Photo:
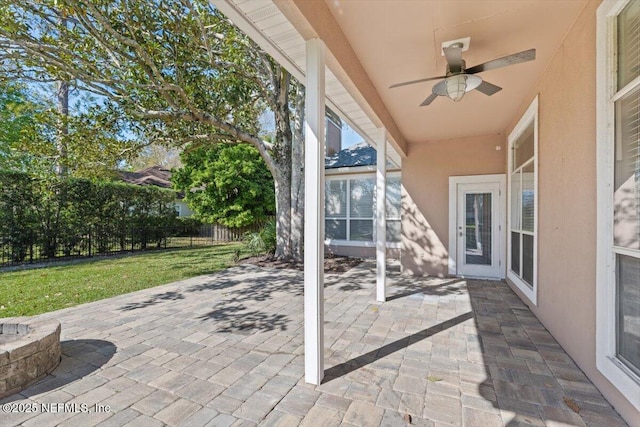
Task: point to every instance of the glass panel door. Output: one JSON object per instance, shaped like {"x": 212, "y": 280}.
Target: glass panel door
{"x": 478, "y": 228}
{"x": 478, "y": 231}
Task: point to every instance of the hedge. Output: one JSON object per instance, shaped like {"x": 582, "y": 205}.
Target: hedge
{"x": 54, "y": 214}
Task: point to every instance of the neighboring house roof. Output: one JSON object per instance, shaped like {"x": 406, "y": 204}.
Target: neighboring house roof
{"x": 361, "y": 154}
{"x": 155, "y": 175}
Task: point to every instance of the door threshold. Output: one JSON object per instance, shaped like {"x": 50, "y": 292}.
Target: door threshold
{"x": 479, "y": 277}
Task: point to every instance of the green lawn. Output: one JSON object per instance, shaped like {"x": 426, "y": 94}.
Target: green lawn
{"x": 34, "y": 291}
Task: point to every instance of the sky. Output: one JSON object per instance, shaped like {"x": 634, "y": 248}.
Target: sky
{"x": 349, "y": 136}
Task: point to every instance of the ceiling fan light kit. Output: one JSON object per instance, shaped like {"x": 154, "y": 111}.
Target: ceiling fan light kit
{"x": 454, "y": 87}
{"x": 460, "y": 80}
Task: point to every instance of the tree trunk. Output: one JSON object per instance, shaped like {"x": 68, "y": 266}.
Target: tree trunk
{"x": 283, "y": 217}
{"x": 62, "y": 96}
{"x": 287, "y": 244}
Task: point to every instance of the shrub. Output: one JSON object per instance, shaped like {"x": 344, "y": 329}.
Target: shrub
{"x": 254, "y": 243}
{"x": 268, "y": 235}
{"x": 189, "y": 226}
{"x": 18, "y": 218}
{"x": 70, "y": 214}
{"x": 263, "y": 241}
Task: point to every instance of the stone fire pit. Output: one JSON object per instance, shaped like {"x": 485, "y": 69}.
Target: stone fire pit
{"x": 29, "y": 350}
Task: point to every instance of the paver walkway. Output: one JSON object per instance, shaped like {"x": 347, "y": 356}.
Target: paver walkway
{"x": 227, "y": 349}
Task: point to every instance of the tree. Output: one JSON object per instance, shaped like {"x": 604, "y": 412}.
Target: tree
{"x": 229, "y": 184}
{"x": 177, "y": 66}
{"x": 93, "y": 143}
{"x": 17, "y": 112}
{"x": 156, "y": 155}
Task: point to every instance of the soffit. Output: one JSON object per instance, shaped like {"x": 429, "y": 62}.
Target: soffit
{"x": 400, "y": 40}
{"x": 263, "y": 21}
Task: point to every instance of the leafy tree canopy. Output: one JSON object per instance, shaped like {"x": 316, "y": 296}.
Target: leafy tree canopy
{"x": 156, "y": 155}
{"x": 17, "y": 113}
{"x": 29, "y": 123}
{"x": 178, "y": 69}
{"x": 229, "y": 184}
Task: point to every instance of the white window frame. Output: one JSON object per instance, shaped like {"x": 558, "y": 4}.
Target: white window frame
{"x": 388, "y": 217}
{"x": 344, "y": 217}
{"x": 358, "y": 243}
{"x": 623, "y": 378}
{"x": 530, "y": 116}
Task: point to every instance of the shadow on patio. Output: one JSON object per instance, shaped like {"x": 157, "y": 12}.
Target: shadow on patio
{"x": 80, "y": 358}
{"x": 236, "y": 309}
{"x": 228, "y": 348}
{"x": 462, "y": 353}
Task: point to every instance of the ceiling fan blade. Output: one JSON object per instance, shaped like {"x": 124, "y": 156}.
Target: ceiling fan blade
{"x": 454, "y": 58}
{"x": 516, "y": 58}
{"x": 429, "y": 100}
{"x": 416, "y": 81}
{"x": 488, "y": 88}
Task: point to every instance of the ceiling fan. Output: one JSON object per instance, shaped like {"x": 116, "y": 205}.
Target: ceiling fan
{"x": 460, "y": 80}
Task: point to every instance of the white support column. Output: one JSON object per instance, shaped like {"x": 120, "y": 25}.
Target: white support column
{"x": 381, "y": 216}
{"x": 314, "y": 214}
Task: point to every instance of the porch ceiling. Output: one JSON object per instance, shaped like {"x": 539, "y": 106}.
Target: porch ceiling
{"x": 391, "y": 41}
{"x": 397, "y": 41}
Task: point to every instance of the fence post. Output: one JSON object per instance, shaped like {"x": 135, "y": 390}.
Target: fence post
{"x": 89, "y": 242}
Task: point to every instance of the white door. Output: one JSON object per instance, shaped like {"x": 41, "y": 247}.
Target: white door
{"x": 479, "y": 227}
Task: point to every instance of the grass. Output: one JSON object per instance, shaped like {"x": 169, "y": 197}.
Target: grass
{"x": 40, "y": 290}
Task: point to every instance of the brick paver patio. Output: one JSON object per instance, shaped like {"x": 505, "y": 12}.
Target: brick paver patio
{"x": 227, "y": 349}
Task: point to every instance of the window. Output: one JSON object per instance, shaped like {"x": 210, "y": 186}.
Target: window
{"x": 522, "y": 241}
{"x": 361, "y": 209}
{"x": 335, "y": 209}
{"x": 394, "y": 206}
{"x": 350, "y": 208}
{"x": 618, "y": 268}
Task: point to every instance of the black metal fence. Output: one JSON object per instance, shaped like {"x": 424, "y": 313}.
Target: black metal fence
{"x": 97, "y": 241}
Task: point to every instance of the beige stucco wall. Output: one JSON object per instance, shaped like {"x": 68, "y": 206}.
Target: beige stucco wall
{"x": 425, "y": 195}
{"x": 567, "y": 202}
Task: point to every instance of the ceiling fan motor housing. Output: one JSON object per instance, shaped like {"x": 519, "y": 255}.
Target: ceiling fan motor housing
{"x": 462, "y": 68}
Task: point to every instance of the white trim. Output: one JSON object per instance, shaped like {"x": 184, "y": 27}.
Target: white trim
{"x": 625, "y": 251}
{"x": 347, "y": 217}
{"x": 381, "y": 217}
{"x": 607, "y": 363}
{"x": 366, "y": 174}
{"x": 631, "y": 86}
{"x": 356, "y": 170}
{"x": 530, "y": 116}
{"x": 350, "y": 170}
{"x": 314, "y": 213}
{"x": 454, "y": 181}
{"x": 360, "y": 244}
